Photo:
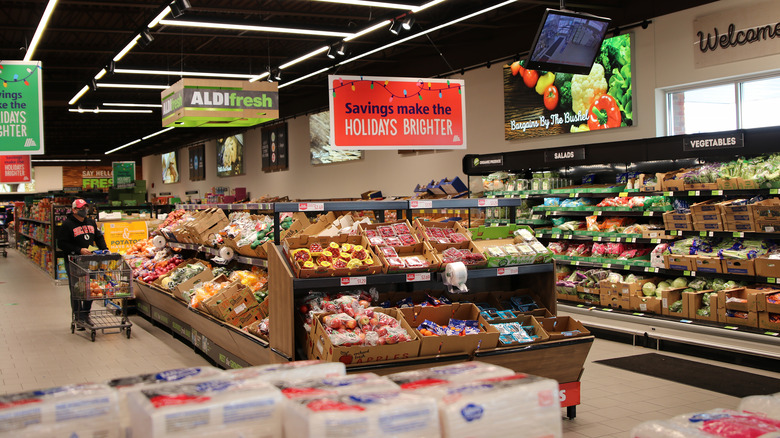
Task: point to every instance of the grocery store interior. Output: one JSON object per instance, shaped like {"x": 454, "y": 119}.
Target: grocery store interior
{"x": 326, "y": 213}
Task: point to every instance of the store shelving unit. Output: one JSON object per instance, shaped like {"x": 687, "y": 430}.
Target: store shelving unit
{"x": 24, "y": 238}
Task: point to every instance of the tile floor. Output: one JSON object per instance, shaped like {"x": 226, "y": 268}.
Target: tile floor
{"x": 37, "y": 351}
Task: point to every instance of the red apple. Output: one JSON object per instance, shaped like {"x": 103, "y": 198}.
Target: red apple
{"x": 351, "y": 324}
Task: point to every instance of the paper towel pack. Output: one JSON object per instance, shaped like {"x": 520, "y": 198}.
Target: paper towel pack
{"x": 225, "y": 406}
{"x": 768, "y": 405}
{"x": 351, "y": 385}
{"x": 299, "y": 370}
{"x": 125, "y": 385}
{"x": 386, "y": 415}
{"x": 461, "y": 372}
{"x": 87, "y": 410}
{"x": 713, "y": 423}
{"x": 520, "y": 406}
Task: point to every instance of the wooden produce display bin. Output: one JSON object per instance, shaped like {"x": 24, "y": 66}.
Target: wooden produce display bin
{"x": 536, "y": 330}
{"x": 304, "y": 241}
{"x": 671, "y": 296}
{"x": 678, "y": 262}
{"x": 707, "y": 264}
{"x": 646, "y": 304}
{"x": 695, "y": 302}
{"x": 433, "y": 345}
{"x": 421, "y": 250}
{"x": 728, "y": 311}
{"x": 486, "y": 237}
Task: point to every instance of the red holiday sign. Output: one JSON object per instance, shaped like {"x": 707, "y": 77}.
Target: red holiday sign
{"x": 397, "y": 113}
{"x": 15, "y": 169}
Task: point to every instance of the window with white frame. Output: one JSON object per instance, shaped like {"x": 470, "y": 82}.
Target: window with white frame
{"x": 738, "y": 105}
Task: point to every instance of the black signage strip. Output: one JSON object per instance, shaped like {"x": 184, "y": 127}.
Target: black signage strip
{"x": 564, "y": 154}
{"x": 717, "y": 140}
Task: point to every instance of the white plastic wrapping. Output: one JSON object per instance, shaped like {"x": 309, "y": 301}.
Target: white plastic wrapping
{"x": 125, "y": 385}
{"x": 225, "y": 406}
{"x": 351, "y": 384}
{"x": 519, "y": 406}
{"x": 768, "y": 405}
{"x": 461, "y": 372}
{"x": 714, "y": 423}
{"x": 88, "y": 410}
{"x": 386, "y": 415}
{"x": 300, "y": 370}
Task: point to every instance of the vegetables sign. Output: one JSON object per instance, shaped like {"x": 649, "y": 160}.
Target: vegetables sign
{"x": 539, "y": 103}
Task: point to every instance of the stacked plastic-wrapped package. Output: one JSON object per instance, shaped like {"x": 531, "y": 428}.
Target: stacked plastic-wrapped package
{"x": 353, "y": 384}
{"x": 475, "y": 397}
{"x": 225, "y": 406}
{"x": 768, "y": 405}
{"x": 88, "y": 410}
{"x": 300, "y": 370}
{"x": 715, "y": 423}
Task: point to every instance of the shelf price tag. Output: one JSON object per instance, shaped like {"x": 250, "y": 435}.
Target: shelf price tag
{"x": 687, "y": 273}
{"x": 311, "y": 206}
{"x": 353, "y": 281}
{"x": 774, "y": 191}
{"x": 771, "y": 333}
{"x": 647, "y": 213}
{"x": 556, "y": 236}
{"x": 623, "y": 195}
{"x": 771, "y": 280}
{"x": 655, "y": 240}
{"x": 613, "y": 239}
{"x": 597, "y": 239}
{"x": 717, "y": 192}
{"x": 686, "y": 321}
{"x": 487, "y": 202}
{"x": 606, "y": 265}
{"x": 575, "y": 263}
{"x": 420, "y": 276}
{"x": 507, "y": 271}
{"x": 573, "y": 195}
{"x": 597, "y": 213}
{"x": 524, "y": 196}
{"x": 674, "y": 233}
{"x": 668, "y": 193}
{"x": 731, "y": 327}
{"x": 421, "y": 204}
{"x": 626, "y": 267}
{"x": 738, "y": 234}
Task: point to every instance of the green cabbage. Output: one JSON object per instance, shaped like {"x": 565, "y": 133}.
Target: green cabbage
{"x": 680, "y": 282}
{"x": 648, "y": 289}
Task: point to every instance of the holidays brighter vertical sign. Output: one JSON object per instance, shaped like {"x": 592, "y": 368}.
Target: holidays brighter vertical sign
{"x": 397, "y": 113}
{"x": 21, "y": 108}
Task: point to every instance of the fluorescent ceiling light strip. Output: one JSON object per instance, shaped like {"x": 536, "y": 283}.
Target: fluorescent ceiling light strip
{"x": 78, "y": 95}
{"x": 427, "y": 5}
{"x": 157, "y": 133}
{"x": 157, "y": 19}
{"x": 304, "y": 77}
{"x": 65, "y": 160}
{"x": 182, "y": 73}
{"x": 127, "y": 48}
{"x": 135, "y": 105}
{"x": 272, "y": 29}
{"x": 39, "y": 30}
{"x": 368, "y": 30}
{"x": 262, "y": 76}
{"x": 140, "y": 86}
{"x": 433, "y": 29}
{"x": 304, "y": 57}
{"x": 372, "y": 4}
{"x": 123, "y": 146}
{"x": 100, "y": 74}
{"x": 104, "y": 110}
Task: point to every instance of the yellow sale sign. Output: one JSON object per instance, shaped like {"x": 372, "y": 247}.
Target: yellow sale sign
{"x": 120, "y": 236}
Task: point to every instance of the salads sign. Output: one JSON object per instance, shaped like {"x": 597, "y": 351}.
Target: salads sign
{"x": 736, "y": 34}
{"x": 538, "y": 104}
{"x": 397, "y": 113}
{"x": 721, "y": 140}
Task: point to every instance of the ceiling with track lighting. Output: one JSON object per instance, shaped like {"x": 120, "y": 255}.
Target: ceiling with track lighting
{"x": 105, "y": 62}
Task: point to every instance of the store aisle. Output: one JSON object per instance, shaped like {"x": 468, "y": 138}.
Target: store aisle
{"x": 37, "y": 350}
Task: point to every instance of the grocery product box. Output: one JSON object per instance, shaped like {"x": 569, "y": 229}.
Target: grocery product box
{"x": 701, "y": 186}
{"x": 230, "y": 302}
{"x": 736, "y": 207}
{"x": 711, "y": 206}
{"x": 320, "y": 224}
{"x": 671, "y": 296}
{"x": 626, "y": 289}
{"x": 615, "y": 301}
{"x": 669, "y": 180}
{"x": 767, "y": 210}
{"x": 421, "y": 225}
{"x": 695, "y": 302}
{"x": 646, "y": 304}
{"x": 707, "y": 264}
{"x": 739, "y": 226}
{"x": 767, "y": 267}
{"x": 245, "y": 318}
{"x": 762, "y": 293}
{"x": 323, "y": 349}
{"x": 304, "y": 241}
{"x": 746, "y": 307}
{"x": 433, "y": 345}
{"x": 397, "y": 227}
{"x": 592, "y": 295}
{"x": 769, "y": 320}
{"x": 678, "y": 221}
{"x": 520, "y": 302}
{"x": 679, "y": 262}
{"x": 562, "y": 327}
{"x": 739, "y": 267}
{"x": 728, "y": 183}
{"x": 763, "y": 226}
{"x": 708, "y": 226}
{"x": 710, "y": 216}
{"x": 421, "y": 250}
{"x": 532, "y": 327}
{"x": 747, "y": 184}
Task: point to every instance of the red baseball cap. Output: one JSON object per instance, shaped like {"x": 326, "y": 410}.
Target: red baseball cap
{"x": 78, "y": 203}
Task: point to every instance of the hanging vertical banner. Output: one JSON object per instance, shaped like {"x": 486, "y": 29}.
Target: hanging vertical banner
{"x": 274, "y": 148}
{"x": 21, "y": 108}
{"x": 124, "y": 174}
{"x": 15, "y": 169}
{"x": 396, "y": 113}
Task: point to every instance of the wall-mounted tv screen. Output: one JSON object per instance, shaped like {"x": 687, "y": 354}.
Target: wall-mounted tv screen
{"x": 230, "y": 155}
{"x": 320, "y": 149}
{"x": 567, "y": 42}
{"x": 170, "y": 168}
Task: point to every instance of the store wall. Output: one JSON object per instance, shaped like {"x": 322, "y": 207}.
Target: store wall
{"x": 663, "y": 58}
{"x": 48, "y": 178}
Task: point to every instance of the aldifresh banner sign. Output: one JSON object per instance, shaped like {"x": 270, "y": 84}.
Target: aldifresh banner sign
{"x": 15, "y": 169}
{"x": 397, "y": 113}
{"x": 21, "y": 108}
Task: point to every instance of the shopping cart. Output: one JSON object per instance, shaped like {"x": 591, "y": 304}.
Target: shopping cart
{"x": 103, "y": 277}
{"x": 3, "y": 241}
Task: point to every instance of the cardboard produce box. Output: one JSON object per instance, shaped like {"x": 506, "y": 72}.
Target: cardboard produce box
{"x": 739, "y": 267}
{"x": 230, "y": 302}
{"x": 728, "y": 183}
{"x": 626, "y": 289}
{"x": 767, "y": 211}
{"x": 615, "y": 300}
{"x": 646, "y": 304}
{"x": 707, "y": 264}
{"x": 532, "y": 322}
{"x": 743, "y": 227}
{"x": 421, "y": 250}
{"x": 762, "y": 293}
{"x": 696, "y": 301}
{"x": 767, "y": 267}
{"x": 671, "y": 296}
{"x": 710, "y": 216}
{"x": 421, "y": 225}
{"x": 487, "y": 237}
{"x": 669, "y": 180}
{"x": 769, "y": 320}
{"x": 592, "y": 295}
{"x": 710, "y": 206}
{"x": 323, "y": 349}
{"x": 562, "y": 327}
{"x": 678, "y": 221}
{"x": 747, "y": 307}
{"x": 182, "y": 288}
{"x": 399, "y": 227}
{"x": 708, "y": 226}
{"x": 245, "y": 318}
{"x": 304, "y": 241}
{"x": 433, "y": 345}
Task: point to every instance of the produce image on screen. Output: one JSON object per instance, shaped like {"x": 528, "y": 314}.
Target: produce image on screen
{"x": 230, "y": 155}
{"x": 170, "y": 168}
{"x": 197, "y": 163}
{"x": 319, "y": 137}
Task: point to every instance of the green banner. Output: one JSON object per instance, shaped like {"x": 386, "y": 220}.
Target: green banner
{"x": 21, "y": 108}
{"x": 124, "y": 174}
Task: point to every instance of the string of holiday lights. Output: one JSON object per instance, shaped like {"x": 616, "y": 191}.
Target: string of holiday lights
{"x": 16, "y": 78}
{"x": 384, "y": 85}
